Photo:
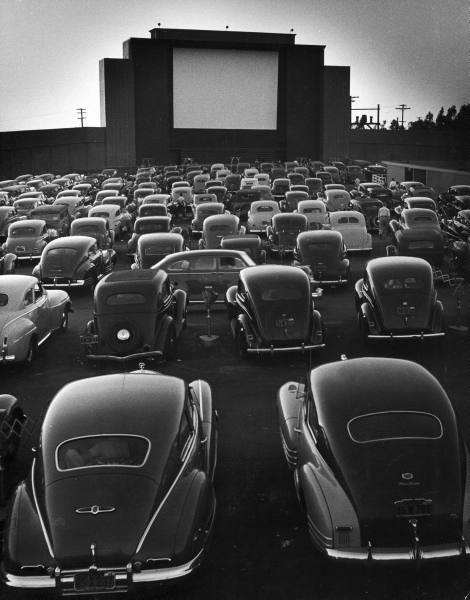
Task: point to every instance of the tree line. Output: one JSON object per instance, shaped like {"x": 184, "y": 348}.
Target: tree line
{"x": 450, "y": 120}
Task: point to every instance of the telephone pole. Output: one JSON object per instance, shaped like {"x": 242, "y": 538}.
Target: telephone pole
{"x": 82, "y": 114}
{"x": 402, "y": 107}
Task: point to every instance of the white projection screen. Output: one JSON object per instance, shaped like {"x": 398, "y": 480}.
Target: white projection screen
{"x": 224, "y": 89}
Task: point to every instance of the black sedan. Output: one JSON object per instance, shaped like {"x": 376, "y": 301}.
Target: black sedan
{"x": 271, "y": 310}
{"x": 137, "y": 316}
{"x": 74, "y": 261}
{"x": 380, "y": 474}
{"x": 396, "y": 299}
{"x": 120, "y": 499}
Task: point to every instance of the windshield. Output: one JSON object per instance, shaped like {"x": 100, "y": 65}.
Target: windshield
{"x": 100, "y": 450}
{"x": 394, "y": 425}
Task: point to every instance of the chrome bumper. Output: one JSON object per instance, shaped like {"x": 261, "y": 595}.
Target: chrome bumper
{"x": 145, "y": 576}
{"x": 124, "y": 359}
{"x": 273, "y": 350}
{"x": 377, "y": 555}
{"x": 65, "y": 284}
{"x": 405, "y": 336}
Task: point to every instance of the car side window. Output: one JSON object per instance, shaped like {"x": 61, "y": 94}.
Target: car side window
{"x": 29, "y": 297}
{"x": 230, "y": 263}
{"x": 38, "y": 292}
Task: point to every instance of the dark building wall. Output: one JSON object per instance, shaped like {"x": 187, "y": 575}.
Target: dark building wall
{"x": 429, "y": 146}
{"x": 117, "y": 110}
{"x": 336, "y": 114}
{"x": 52, "y": 150}
{"x": 303, "y": 89}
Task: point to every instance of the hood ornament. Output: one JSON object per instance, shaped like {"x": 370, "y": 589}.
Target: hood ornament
{"x": 94, "y": 510}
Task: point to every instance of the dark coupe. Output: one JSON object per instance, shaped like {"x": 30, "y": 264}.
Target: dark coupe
{"x": 379, "y": 464}
{"x": 120, "y": 499}
{"x": 74, "y": 261}
{"x": 396, "y": 299}
{"x": 271, "y": 310}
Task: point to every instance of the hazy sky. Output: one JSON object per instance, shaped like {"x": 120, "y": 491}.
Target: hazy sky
{"x": 413, "y": 52}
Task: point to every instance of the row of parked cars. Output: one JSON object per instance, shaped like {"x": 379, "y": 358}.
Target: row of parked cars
{"x": 127, "y": 498}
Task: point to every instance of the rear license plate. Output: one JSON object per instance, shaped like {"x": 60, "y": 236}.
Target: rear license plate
{"x": 405, "y": 310}
{"x": 94, "y": 581}
{"x": 420, "y": 244}
{"x": 287, "y": 322}
{"x": 89, "y": 339}
{"x": 413, "y": 507}
{"x": 20, "y": 249}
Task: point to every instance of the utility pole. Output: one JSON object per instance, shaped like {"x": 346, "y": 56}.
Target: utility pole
{"x": 402, "y": 107}
{"x": 82, "y": 114}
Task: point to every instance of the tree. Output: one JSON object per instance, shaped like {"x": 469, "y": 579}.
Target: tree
{"x": 394, "y": 125}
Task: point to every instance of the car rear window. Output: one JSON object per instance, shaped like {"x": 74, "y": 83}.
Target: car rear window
{"x": 403, "y": 283}
{"x": 23, "y": 231}
{"x": 125, "y": 298}
{"x": 116, "y": 450}
{"x": 394, "y": 425}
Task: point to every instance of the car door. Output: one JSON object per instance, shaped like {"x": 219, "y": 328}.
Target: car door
{"x": 193, "y": 274}
{"x": 36, "y": 309}
{"x": 228, "y": 269}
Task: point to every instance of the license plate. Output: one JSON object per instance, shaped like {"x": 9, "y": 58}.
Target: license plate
{"x": 413, "y": 507}
{"x": 420, "y": 244}
{"x": 94, "y": 581}
{"x": 405, "y": 310}
{"x": 286, "y": 322}
{"x": 20, "y": 249}
{"x": 89, "y": 339}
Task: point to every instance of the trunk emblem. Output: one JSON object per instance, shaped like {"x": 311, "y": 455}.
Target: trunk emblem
{"x": 95, "y": 509}
{"x": 407, "y": 476}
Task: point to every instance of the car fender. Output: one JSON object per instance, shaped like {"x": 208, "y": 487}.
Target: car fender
{"x": 162, "y": 332}
{"x": 246, "y": 329}
{"x": 183, "y": 515}
{"x": 359, "y": 294}
{"x": 25, "y": 543}
{"x": 18, "y": 333}
{"x": 318, "y": 329}
{"x": 289, "y": 401}
{"x": 203, "y": 398}
{"x": 331, "y": 516}
{"x": 9, "y": 263}
{"x": 181, "y": 299}
{"x": 438, "y": 321}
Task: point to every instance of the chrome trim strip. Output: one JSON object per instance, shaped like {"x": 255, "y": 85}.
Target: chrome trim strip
{"x": 284, "y": 349}
{"x": 177, "y": 478}
{"x": 78, "y": 283}
{"x": 43, "y": 527}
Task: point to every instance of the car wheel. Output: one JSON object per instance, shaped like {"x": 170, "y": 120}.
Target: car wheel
{"x": 64, "y": 323}
{"x": 31, "y": 354}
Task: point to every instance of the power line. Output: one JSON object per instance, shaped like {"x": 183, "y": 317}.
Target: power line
{"x": 402, "y": 107}
{"x": 82, "y": 116}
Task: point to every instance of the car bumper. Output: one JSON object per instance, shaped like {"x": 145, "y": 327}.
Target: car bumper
{"x": 400, "y": 555}
{"x": 333, "y": 281}
{"x": 278, "y": 350}
{"x": 405, "y": 336}
{"x": 61, "y": 283}
{"x": 28, "y": 257}
{"x": 155, "y": 354}
{"x": 64, "y": 582}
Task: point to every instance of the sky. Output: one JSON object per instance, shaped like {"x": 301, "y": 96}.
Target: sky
{"x": 411, "y": 52}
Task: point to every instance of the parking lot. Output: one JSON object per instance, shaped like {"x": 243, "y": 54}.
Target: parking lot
{"x": 260, "y": 547}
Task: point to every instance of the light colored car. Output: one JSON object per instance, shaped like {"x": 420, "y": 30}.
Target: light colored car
{"x": 24, "y": 206}
{"x": 27, "y": 238}
{"x": 73, "y": 204}
{"x": 28, "y": 315}
{"x": 352, "y": 226}
{"x": 260, "y": 214}
{"x": 337, "y": 200}
{"x": 315, "y": 211}
{"x": 112, "y": 213}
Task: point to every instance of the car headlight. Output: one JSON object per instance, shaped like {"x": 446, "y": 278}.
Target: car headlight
{"x": 123, "y": 335}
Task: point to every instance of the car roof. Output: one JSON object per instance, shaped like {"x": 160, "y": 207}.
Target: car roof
{"x": 185, "y": 254}
{"x": 49, "y": 208}
{"x": 34, "y": 223}
{"x": 80, "y": 242}
{"x": 400, "y": 265}
{"x": 267, "y": 274}
{"x": 357, "y": 386}
{"x": 145, "y": 404}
